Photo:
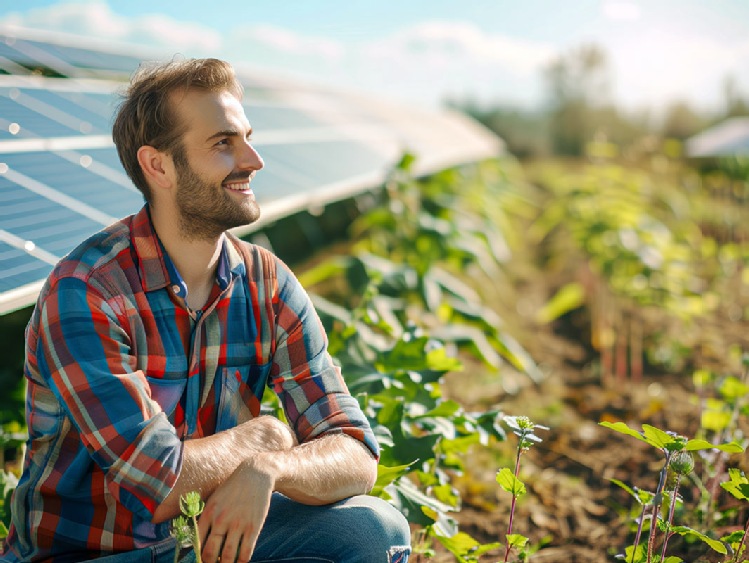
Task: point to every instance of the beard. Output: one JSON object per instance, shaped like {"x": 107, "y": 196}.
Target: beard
{"x": 205, "y": 210}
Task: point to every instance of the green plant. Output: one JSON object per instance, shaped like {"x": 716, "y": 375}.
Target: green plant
{"x": 676, "y": 450}
{"x": 738, "y": 486}
{"x": 185, "y": 526}
{"x": 508, "y": 479}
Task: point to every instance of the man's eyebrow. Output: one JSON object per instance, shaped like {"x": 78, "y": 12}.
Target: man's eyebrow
{"x": 227, "y": 133}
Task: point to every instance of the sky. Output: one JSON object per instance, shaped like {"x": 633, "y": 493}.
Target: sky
{"x": 426, "y": 51}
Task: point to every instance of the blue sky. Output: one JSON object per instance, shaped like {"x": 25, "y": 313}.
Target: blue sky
{"x": 423, "y": 51}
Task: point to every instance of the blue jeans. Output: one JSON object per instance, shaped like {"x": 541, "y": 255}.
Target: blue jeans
{"x": 360, "y": 529}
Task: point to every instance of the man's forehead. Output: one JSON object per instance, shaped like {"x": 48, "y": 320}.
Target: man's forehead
{"x": 207, "y": 110}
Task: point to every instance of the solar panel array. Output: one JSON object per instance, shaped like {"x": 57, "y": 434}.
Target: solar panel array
{"x": 61, "y": 180}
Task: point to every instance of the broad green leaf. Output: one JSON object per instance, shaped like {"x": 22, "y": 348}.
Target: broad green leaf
{"x": 569, "y": 297}
{"x": 716, "y": 545}
{"x": 510, "y": 483}
{"x": 386, "y": 475}
{"x": 465, "y": 547}
{"x": 516, "y": 540}
{"x": 445, "y": 408}
{"x": 410, "y": 500}
{"x": 324, "y": 271}
{"x": 657, "y": 437}
{"x": 738, "y": 486}
{"x": 642, "y": 497}
{"x": 622, "y": 428}
{"x": 730, "y": 447}
{"x": 733, "y": 538}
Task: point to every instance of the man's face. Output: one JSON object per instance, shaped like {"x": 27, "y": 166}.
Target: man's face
{"x": 214, "y": 166}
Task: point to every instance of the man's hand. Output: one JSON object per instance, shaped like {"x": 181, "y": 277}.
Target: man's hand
{"x": 235, "y": 513}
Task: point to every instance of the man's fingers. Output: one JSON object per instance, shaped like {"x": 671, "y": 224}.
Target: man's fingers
{"x": 212, "y": 548}
{"x": 247, "y": 547}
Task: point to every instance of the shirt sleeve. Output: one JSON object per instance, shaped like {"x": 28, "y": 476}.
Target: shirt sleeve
{"x": 84, "y": 355}
{"x": 310, "y": 386}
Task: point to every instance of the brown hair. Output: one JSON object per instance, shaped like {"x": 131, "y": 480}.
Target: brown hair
{"x": 146, "y": 116}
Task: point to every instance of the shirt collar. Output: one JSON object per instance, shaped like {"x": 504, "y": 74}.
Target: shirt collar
{"x": 156, "y": 267}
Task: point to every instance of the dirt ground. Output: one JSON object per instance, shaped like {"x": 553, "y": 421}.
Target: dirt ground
{"x": 572, "y": 511}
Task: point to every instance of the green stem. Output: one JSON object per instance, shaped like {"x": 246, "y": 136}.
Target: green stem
{"x": 196, "y": 540}
{"x": 514, "y": 501}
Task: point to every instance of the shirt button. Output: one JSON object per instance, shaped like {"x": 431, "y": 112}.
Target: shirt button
{"x": 176, "y": 289}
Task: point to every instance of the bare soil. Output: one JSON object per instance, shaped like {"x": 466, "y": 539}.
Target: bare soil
{"x": 572, "y": 511}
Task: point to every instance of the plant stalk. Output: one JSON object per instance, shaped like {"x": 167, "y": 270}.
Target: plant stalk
{"x": 741, "y": 543}
{"x": 196, "y": 540}
{"x": 670, "y": 517}
{"x": 639, "y": 532}
{"x": 514, "y": 501}
{"x": 656, "y": 506}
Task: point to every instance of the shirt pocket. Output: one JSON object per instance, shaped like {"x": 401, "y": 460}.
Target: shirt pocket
{"x": 167, "y": 392}
{"x": 241, "y": 394}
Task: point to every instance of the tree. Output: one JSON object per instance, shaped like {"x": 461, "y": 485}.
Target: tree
{"x": 578, "y": 83}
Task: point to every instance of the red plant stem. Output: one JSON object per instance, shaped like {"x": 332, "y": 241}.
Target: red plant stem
{"x": 639, "y": 531}
{"x": 514, "y": 501}
{"x": 670, "y": 518}
{"x": 657, "y": 505}
{"x": 741, "y": 543}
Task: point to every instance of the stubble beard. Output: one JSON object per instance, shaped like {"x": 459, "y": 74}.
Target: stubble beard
{"x": 205, "y": 210}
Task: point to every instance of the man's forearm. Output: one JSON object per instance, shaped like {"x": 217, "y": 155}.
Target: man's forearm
{"x": 208, "y": 462}
{"x": 323, "y": 470}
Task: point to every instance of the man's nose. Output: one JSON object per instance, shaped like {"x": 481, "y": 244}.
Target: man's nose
{"x": 249, "y": 158}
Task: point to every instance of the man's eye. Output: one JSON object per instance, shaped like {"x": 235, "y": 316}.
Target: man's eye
{"x": 223, "y": 142}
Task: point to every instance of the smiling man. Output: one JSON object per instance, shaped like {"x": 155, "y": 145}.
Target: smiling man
{"x": 149, "y": 351}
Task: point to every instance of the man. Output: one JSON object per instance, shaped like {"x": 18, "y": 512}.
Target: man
{"x": 147, "y": 356}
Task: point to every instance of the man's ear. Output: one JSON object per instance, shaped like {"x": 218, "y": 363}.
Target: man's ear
{"x": 156, "y": 166}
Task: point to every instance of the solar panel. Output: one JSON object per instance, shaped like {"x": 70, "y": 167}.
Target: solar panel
{"x": 89, "y": 120}
{"x": 14, "y": 106}
{"x": 266, "y": 117}
{"x": 74, "y": 179}
{"x": 61, "y": 179}
{"x": 19, "y": 268}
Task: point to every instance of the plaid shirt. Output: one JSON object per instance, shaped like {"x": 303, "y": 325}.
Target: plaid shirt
{"x": 120, "y": 372}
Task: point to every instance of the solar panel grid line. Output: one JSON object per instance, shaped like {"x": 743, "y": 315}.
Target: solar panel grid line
{"x": 354, "y": 131}
{"x": 95, "y": 167}
{"x": 12, "y": 67}
{"x": 29, "y": 247}
{"x": 19, "y": 297}
{"x": 51, "y": 112}
{"x": 55, "y": 144}
{"x": 36, "y": 52}
{"x": 59, "y": 198}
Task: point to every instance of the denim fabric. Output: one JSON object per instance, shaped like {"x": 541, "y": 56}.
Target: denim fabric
{"x": 360, "y": 529}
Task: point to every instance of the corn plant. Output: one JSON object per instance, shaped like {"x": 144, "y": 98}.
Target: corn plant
{"x": 677, "y": 455}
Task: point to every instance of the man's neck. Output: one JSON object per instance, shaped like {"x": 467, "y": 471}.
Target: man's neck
{"x": 196, "y": 260}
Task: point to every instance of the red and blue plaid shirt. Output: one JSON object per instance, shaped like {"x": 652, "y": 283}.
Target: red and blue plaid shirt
{"x": 120, "y": 371}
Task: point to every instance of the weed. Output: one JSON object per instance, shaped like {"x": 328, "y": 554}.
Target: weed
{"x": 508, "y": 479}
{"x": 676, "y": 450}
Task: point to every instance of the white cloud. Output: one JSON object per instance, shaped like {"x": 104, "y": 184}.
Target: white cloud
{"x": 620, "y": 10}
{"x": 291, "y": 43}
{"x": 659, "y": 65}
{"x": 95, "y": 19}
{"x": 442, "y": 43}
